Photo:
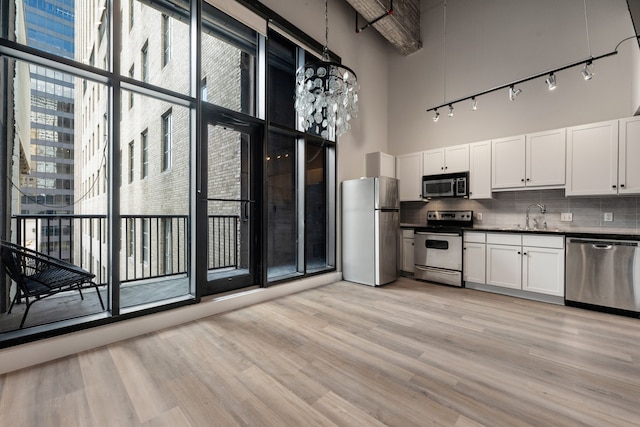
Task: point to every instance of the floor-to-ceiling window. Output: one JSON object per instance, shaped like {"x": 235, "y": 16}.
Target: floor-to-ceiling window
{"x": 300, "y": 176}
{"x": 105, "y": 147}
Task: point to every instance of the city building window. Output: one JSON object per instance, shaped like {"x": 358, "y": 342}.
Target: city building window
{"x": 166, "y": 141}
{"x": 203, "y": 90}
{"x": 144, "y": 57}
{"x": 131, "y": 157}
{"x": 144, "y": 144}
{"x": 145, "y": 240}
{"x": 167, "y": 243}
{"x": 131, "y": 19}
{"x": 132, "y": 75}
{"x": 166, "y": 39}
{"x": 131, "y": 236}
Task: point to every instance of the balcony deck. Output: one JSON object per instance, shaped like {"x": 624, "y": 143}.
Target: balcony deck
{"x": 69, "y": 305}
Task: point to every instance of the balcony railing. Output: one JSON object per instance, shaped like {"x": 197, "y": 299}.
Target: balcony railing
{"x": 152, "y": 246}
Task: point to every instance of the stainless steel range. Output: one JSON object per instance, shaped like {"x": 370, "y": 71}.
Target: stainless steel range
{"x": 438, "y": 247}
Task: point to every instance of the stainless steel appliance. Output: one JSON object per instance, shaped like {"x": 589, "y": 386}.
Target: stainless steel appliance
{"x": 445, "y": 185}
{"x": 370, "y": 230}
{"x": 603, "y": 273}
{"x": 438, "y": 247}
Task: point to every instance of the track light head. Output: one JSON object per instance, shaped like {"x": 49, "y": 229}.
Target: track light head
{"x": 551, "y": 81}
{"x": 587, "y": 74}
{"x": 513, "y": 93}
{"x": 474, "y": 103}
{"x": 450, "y": 110}
{"x": 436, "y": 116}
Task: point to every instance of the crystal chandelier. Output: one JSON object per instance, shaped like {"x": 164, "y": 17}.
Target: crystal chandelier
{"x": 326, "y": 93}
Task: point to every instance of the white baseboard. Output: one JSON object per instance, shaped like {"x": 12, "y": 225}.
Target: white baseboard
{"x": 37, "y": 352}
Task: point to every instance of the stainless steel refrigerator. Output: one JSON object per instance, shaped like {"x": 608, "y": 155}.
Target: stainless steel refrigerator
{"x": 370, "y": 230}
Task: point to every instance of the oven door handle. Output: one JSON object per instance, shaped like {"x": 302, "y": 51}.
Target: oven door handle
{"x": 425, "y": 233}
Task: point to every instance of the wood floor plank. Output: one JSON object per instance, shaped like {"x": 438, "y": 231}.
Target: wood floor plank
{"x": 146, "y": 397}
{"x": 343, "y": 413}
{"x": 103, "y": 389}
{"x": 405, "y": 354}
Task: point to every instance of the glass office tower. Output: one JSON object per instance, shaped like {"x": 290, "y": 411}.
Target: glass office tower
{"x": 48, "y": 188}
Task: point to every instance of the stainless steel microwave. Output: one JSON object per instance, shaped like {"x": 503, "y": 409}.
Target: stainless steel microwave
{"x": 445, "y": 185}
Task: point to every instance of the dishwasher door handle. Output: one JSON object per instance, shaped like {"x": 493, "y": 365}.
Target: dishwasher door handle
{"x": 601, "y": 246}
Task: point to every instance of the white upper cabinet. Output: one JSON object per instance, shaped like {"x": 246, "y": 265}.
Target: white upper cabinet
{"x": 480, "y": 170}
{"x": 446, "y": 160}
{"x": 533, "y": 160}
{"x": 409, "y": 173}
{"x": 380, "y": 164}
{"x": 629, "y": 156}
{"x": 508, "y": 162}
{"x": 546, "y": 155}
{"x": 592, "y": 159}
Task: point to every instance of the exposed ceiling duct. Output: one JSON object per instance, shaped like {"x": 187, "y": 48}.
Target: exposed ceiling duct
{"x": 398, "y": 21}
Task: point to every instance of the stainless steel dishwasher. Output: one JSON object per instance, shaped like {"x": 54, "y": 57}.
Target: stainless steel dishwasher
{"x": 603, "y": 273}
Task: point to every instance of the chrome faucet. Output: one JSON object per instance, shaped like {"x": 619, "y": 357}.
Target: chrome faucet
{"x": 543, "y": 209}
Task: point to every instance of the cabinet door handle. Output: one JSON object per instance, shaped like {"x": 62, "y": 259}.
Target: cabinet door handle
{"x": 524, "y": 253}
{"x": 522, "y": 180}
{"x": 519, "y": 253}
{"x": 528, "y": 179}
{"x": 613, "y": 186}
{"x": 621, "y": 185}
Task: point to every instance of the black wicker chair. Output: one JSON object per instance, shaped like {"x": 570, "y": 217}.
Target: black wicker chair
{"x": 39, "y": 276}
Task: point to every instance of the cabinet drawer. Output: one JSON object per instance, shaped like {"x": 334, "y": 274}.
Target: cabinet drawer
{"x": 407, "y": 233}
{"x": 474, "y": 237}
{"x": 504, "y": 239}
{"x": 543, "y": 241}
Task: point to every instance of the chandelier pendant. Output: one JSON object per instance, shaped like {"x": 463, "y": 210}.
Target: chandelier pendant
{"x": 326, "y": 94}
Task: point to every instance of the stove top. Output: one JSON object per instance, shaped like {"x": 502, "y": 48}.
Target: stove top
{"x": 449, "y": 219}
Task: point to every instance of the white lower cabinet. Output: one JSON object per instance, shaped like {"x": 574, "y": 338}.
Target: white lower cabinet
{"x": 408, "y": 262}
{"x": 543, "y": 265}
{"x": 504, "y": 266}
{"x": 474, "y": 250}
{"x": 528, "y": 262}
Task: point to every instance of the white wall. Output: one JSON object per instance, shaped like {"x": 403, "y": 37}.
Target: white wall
{"x": 493, "y": 42}
{"x": 365, "y": 53}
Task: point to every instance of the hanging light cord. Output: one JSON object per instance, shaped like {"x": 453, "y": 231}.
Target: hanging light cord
{"x": 586, "y": 25}
{"x": 325, "y": 52}
{"x": 444, "y": 53}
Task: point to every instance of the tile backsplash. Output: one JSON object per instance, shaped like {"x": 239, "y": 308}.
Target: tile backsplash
{"x": 507, "y": 209}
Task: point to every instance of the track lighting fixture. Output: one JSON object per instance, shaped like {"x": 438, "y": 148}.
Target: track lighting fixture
{"x": 513, "y": 93}
{"x": 551, "y": 81}
{"x": 450, "y": 110}
{"x": 436, "y": 116}
{"x": 587, "y": 74}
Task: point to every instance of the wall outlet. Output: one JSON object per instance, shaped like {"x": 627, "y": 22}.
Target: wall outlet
{"x": 608, "y": 216}
{"x": 479, "y": 216}
{"x": 566, "y": 216}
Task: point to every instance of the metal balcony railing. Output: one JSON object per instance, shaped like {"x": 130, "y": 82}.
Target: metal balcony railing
{"x": 152, "y": 246}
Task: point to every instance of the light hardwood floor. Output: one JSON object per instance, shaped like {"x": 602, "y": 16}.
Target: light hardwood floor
{"x": 406, "y": 354}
